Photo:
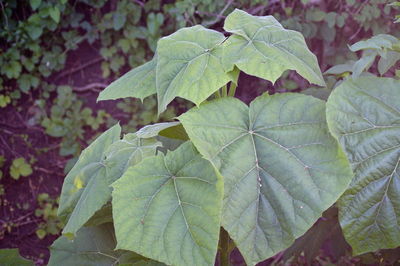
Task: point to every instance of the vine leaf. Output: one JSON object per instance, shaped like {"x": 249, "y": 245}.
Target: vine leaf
{"x": 280, "y": 165}
{"x": 189, "y": 65}
{"x": 140, "y": 82}
{"x": 87, "y": 188}
{"x": 94, "y": 246}
{"x": 364, "y": 115}
{"x": 260, "y": 46}
{"x": 168, "y": 208}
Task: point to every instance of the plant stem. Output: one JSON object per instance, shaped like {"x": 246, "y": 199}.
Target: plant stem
{"x": 232, "y": 89}
{"x": 224, "y": 251}
{"x": 224, "y": 91}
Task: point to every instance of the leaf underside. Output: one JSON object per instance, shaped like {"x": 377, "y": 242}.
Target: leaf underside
{"x": 86, "y": 188}
{"x": 280, "y": 165}
{"x": 168, "y": 208}
{"x": 364, "y": 115}
{"x": 260, "y": 46}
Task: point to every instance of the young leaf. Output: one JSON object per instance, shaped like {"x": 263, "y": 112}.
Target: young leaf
{"x": 19, "y": 168}
{"x": 260, "y": 46}
{"x": 168, "y": 208}
{"x": 89, "y": 181}
{"x": 189, "y": 65}
{"x": 93, "y": 246}
{"x": 140, "y": 82}
{"x": 280, "y": 165}
{"x": 364, "y": 115}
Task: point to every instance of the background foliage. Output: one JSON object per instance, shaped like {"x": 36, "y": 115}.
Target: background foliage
{"x": 56, "y": 55}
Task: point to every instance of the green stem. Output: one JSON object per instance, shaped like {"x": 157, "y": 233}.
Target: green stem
{"x": 232, "y": 89}
{"x": 224, "y": 251}
{"x": 224, "y": 91}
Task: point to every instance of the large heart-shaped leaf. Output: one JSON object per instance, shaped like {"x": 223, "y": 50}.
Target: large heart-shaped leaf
{"x": 364, "y": 115}
{"x": 87, "y": 188}
{"x": 260, "y": 46}
{"x": 168, "y": 208}
{"x": 140, "y": 82}
{"x": 93, "y": 246}
{"x": 280, "y": 165}
{"x": 189, "y": 65}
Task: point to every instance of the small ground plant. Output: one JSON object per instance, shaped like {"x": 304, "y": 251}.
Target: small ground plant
{"x": 227, "y": 174}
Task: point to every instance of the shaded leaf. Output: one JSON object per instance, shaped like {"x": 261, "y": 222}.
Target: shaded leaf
{"x": 364, "y": 115}
{"x": 168, "y": 208}
{"x": 88, "y": 183}
{"x": 280, "y": 165}
{"x": 93, "y": 246}
{"x": 341, "y": 68}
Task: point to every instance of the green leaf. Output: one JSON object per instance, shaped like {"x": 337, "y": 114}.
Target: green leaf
{"x": 260, "y": 46}
{"x": 364, "y": 115}
{"x": 341, "y": 68}
{"x": 11, "y": 257}
{"x": 88, "y": 174}
{"x": 280, "y": 165}
{"x": 34, "y": 31}
{"x": 93, "y": 246}
{"x": 87, "y": 186}
{"x": 119, "y": 20}
{"x": 55, "y": 14}
{"x": 12, "y": 69}
{"x": 35, "y": 4}
{"x": 168, "y": 208}
{"x": 364, "y": 63}
{"x": 189, "y": 65}
{"x": 385, "y": 63}
{"x": 172, "y": 130}
{"x": 19, "y": 168}
{"x": 378, "y": 42}
{"x": 140, "y": 82}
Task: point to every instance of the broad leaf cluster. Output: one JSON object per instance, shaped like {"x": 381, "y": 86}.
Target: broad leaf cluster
{"x": 265, "y": 172}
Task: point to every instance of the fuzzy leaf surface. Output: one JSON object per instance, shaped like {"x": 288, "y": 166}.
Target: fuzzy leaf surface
{"x": 261, "y": 47}
{"x": 364, "y": 115}
{"x": 280, "y": 165}
{"x": 168, "y": 208}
